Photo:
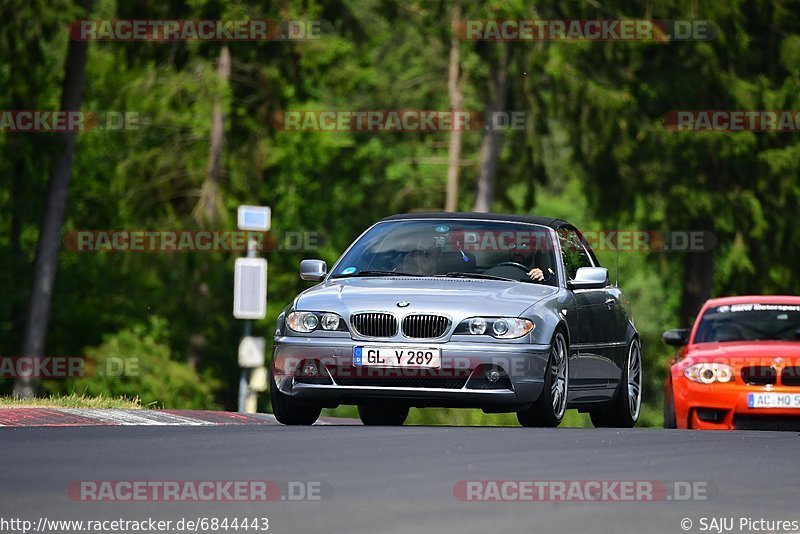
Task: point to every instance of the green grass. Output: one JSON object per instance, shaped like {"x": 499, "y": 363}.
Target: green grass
{"x": 71, "y": 401}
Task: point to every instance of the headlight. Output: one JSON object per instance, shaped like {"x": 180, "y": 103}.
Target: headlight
{"x": 298, "y": 321}
{"x": 708, "y": 373}
{"x": 477, "y": 325}
{"x": 499, "y": 327}
{"x": 305, "y": 322}
{"x": 330, "y": 321}
{"x": 310, "y": 322}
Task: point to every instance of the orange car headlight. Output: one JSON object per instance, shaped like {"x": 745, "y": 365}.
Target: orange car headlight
{"x": 708, "y": 373}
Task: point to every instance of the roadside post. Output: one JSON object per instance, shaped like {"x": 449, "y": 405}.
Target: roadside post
{"x": 250, "y": 297}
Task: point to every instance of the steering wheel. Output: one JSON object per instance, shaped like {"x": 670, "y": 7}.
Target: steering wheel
{"x": 546, "y": 272}
{"x": 511, "y": 264}
{"x": 504, "y": 269}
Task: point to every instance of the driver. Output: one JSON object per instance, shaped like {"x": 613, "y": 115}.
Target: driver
{"x": 424, "y": 260}
{"x": 535, "y": 274}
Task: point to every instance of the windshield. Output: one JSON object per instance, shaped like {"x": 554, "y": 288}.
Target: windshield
{"x": 750, "y": 322}
{"x": 441, "y": 247}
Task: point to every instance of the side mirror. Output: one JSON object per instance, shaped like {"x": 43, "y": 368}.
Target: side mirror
{"x": 677, "y": 337}
{"x": 589, "y": 278}
{"x": 313, "y": 270}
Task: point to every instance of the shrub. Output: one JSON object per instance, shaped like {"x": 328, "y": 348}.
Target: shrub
{"x": 138, "y": 362}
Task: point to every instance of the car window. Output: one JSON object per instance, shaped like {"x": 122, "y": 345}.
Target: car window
{"x": 750, "y": 322}
{"x": 573, "y": 252}
{"x": 438, "y": 247}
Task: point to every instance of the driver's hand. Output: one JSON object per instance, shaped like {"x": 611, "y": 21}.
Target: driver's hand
{"x": 536, "y": 274}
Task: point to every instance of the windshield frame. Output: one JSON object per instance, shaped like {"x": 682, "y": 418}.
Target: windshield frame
{"x": 561, "y": 281}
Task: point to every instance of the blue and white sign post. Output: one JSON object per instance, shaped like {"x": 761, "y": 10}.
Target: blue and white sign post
{"x": 250, "y": 294}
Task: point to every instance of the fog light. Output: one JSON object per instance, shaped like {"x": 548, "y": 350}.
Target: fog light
{"x": 310, "y": 368}
{"x": 492, "y": 375}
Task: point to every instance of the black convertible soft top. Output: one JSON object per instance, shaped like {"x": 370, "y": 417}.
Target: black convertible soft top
{"x": 532, "y": 219}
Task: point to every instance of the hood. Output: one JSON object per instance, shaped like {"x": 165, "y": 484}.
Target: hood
{"x": 457, "y": 297}
{"x": 747, "y": 352}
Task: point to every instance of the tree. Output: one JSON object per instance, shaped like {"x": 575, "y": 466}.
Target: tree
{"x": 210, "y": 204}
{"x": 490, "y": 146}
{"x": 55, "y": 208}
{"x": 613, "y": 97}
{"x": 455, "y": 90}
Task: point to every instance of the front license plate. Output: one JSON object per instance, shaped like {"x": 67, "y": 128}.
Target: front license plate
{"x": 408, "y": 357}
{"x": 773, "y": 400}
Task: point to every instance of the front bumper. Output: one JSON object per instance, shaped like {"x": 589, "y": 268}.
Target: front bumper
{"x": 462, "y": 374}
{"x": 725, "y": 406}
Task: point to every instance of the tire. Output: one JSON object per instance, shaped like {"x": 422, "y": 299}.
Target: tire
{"x": 382, "y": 414}
{"x": 549, "y": 408}
{"x": 627, "y": 405}
{"x": 286, "y": 410}
{"x": 669, "y": 409}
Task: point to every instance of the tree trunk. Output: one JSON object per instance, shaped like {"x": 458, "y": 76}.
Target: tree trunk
{"x": 210, "y": 208}
{"x": 210, "y": 202}
{"x": 44, "y": 270}
{"x": 456, "y": 99}
{"x": 490, "y": 145}
{"x": 17, "y": 153}
{"x": 698, "y": 279}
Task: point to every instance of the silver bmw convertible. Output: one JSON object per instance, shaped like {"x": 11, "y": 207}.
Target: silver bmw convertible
{"x": 506, "y": 313}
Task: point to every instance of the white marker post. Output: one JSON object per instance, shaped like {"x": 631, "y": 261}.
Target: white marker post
{"x": 250, "y": 294}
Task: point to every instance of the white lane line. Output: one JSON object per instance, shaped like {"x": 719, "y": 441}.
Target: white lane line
{"x": 135, "y": 417}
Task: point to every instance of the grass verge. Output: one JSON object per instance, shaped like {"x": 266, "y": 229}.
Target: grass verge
{"x": 71, "y": 401}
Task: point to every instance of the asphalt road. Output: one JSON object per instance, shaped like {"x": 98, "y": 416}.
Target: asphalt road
{"x": 376, "y": 480}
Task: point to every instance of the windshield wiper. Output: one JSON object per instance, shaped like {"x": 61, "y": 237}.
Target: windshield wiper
{"x": 374, "y": 273}
{"x": 458, "y": 274}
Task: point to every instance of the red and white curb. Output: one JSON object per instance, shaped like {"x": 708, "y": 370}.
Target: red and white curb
{"x": 35, "y": 417}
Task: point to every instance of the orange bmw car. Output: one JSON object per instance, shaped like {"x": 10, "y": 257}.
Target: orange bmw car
{"x": 738, "y": 367}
